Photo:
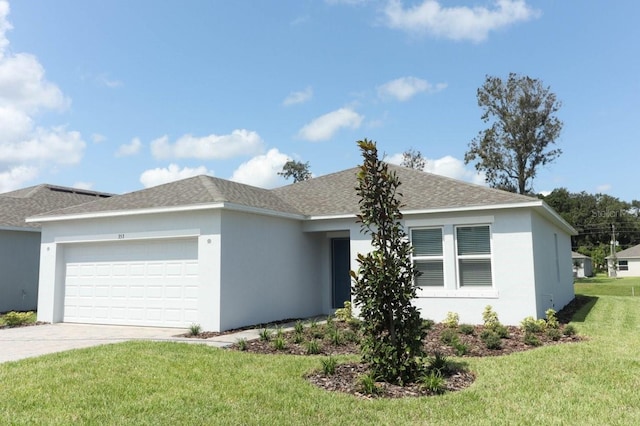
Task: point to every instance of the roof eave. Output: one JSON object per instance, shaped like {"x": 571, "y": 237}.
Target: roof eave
{"x": 160, "y": 210}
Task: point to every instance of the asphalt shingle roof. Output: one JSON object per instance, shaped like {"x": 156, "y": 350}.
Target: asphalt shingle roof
{"x": 631, "y": 252}
{"x": 16, "y": 206}
{"x": 332, "y": 194}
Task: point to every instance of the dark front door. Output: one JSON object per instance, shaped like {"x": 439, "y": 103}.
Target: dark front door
{"x": 340, "y": 265}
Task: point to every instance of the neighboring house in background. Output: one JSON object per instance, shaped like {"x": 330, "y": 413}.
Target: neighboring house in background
{"x": 582, "y": 265}
{"x": 20, "y": 241}
{"x": 626, "y": 263}
{"x": 224, "y": 255}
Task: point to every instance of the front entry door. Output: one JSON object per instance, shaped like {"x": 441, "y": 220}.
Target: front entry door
{"x": 340, "y": 265}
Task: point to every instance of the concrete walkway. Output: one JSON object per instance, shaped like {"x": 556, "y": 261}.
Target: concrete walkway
{"x": 25, "y": 342}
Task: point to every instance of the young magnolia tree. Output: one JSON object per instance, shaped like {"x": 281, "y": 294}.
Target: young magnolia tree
{"x": 384, "y": 283}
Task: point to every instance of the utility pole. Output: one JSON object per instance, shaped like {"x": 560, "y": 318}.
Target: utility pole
{"x": 613, "y": 270}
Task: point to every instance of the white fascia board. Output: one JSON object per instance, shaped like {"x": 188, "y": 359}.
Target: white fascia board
{"x": 157, "y": 210}
{"x": 120, "y": 213}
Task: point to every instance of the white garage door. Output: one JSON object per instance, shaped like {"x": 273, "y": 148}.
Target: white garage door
{"x": 149, "y": 283}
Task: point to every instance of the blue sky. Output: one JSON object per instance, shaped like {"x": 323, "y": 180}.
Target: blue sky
{"x": 120, "y": 95}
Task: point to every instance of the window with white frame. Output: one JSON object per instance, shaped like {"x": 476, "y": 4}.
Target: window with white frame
{"x": 474, "y": 255}
{"x": 427, "y": 256}
{"x": 623, "y": 265}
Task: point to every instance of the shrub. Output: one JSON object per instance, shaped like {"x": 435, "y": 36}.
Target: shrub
{"x": 350, "y": 336}
{"x": 329, "y": 365}
{"x": 368, "y": 384}
{"x": 279, "y": 343}
{"x": 501, "y": 331}
{"x": 491, "y": 339}
{"x": 195, "y": 330}
{"x": 279, "y": 332}
{"x": 467, "y": 329}
{"x": 15, "y": 319}
{"x": 433, "y": 382}
{"x": 531, "y": 339}
{"x": 298, "y": 327}
{"x": 531, "y": 325}
{"x": 451, "y": 321}
{"x": 265, "y": 335}
{"x": 569, "y": 330}
{"x": 346, "y": 313}
{"x": 242, "y": 344}
{"x": 490, "y": 317}
{"x": 554, "y": 334}
{"x": 427, "y": 324}
{"x": 449, "y": 336}
{"x": 313, "y": 347}
{"x": 552, "y": 320}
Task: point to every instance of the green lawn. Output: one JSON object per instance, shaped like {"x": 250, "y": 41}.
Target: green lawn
{"x": 602, "y": 285}
{"x": 593, "y": 382}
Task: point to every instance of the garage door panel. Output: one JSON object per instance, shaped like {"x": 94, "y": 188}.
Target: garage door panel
{"x": 152, "y": 283}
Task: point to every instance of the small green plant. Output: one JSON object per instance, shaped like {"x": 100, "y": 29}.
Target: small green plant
{"x": 330, "y": 323}
{"x": 552, "y": 320}
{"x": 433, "y": 382}
{"x": 195, "y": 330}
{"x": 491, "y": 339}
{"x": 279, "y": 332}
{"x": 298, "y": 327}
{"x": 460, "y": 348}
{"x": 452, "y": 320}
{"x": 554, "y": 334}
{"x": 242, "y": 344}
{"x": 449, "y": 336}
{"x": 335, "y": 336}
{"x": 16, "y": 319}
{"x": 279, "y": 343}
{"x": 298, "y": 337}
{"x": 346, "y": 313}
{"x": 569, "y": 330}
{"x": 467, "y": 329}
{"x": 313, "y": 347}
{"x": 350, "y": 336}
{"x": 329, "y": 365}
{"x": 531, "y": 339}
{"x": 368, "y": 384}
{"x": 532, "y": 325}
{"x": 265, "y": 335}
{"x": 439, "y": 363}
{"x": 501, "y": 331}
{"x": 313, "y": 324}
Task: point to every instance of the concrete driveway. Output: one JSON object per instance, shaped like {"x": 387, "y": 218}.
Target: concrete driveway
{"x": 24, "y": 342}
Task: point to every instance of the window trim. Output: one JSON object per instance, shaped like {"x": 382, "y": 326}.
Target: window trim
{"x": 416, "y": 258}
{"x": 459, "y": 257}
{"x": 621, "y": 265}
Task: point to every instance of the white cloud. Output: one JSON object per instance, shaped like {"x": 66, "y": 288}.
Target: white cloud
{"x": 83, "y": 185}
{"x": 129, "y": 149}
{"x": 298, "y": 97}
{"x": 604, "y": 188}
{"x": 325, "y": 126}
{"x": 26, "y": 147}
{"x": 238, "y": 143}
{"x": 446, "y": 166}
{"x": 262, "y": 170}
{"x": 16, "y": 177}
{"x": 104, "y": 80}
{"x": 98, "y": 138}
{"x": 457, "y": 23}
{"x": 404, "y": 88}
{"x": 56, "y": 145}
{"x": 173, "y": 172}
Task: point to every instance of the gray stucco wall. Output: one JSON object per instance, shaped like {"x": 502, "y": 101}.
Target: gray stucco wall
{"x": 19, "y": 266}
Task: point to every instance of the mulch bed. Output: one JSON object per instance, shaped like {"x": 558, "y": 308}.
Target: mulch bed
{"x": 347, "y": 375}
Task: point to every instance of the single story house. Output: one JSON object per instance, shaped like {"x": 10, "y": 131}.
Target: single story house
{"x": 224, "y": 255}
{"x": 20, "y": 241}
{"x": 582, "y": 265}
{"x": 626, "y": 263}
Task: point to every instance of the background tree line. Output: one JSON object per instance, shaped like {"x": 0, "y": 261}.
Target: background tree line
{"x": 594, "y": 216}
